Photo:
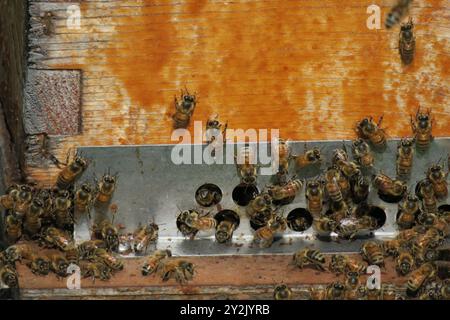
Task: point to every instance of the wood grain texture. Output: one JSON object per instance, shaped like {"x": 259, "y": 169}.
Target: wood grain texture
{"x": 310, "y": 68}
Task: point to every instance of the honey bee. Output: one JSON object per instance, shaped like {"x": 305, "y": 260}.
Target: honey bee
{"x": 38, "y": 264}
{"x": 397, "y": 12}
{"x": 429, "y": 202}
{"x": 424, "y": 245}
{"x": 348, "y": 168}
{"x": 110, "y": 260}
{"x": 314, "y": 197}
{"x": 419, "y": 277}
{"x": 388, "y": 292}
{"x": 391, "y": 189}
{"x": 46, "y": 198}
{"x": 62, "y": 214}
{"x": 434, "y": 290}
{"x": 284, "y": 155}
{"x": 392, "y": 247}
{"x": 106, "y": 187}
{"x": 95, "y": 270}
{"x": 260, "y": 204}
{"x": 339, "y": 155}
{"x": 144, "y": 235}
{"x": 84, "y": 199}
{"x": 71, "y": 170}
{"x": 86, "y": 249}
{"x": 213, "y": 126}
{"x": 404, "y": 263}
{"x": 324, "y": 225}
{"x": 181, "y": 270}
{"x": 372, "y": 252}
{"x": 246, "y": 167}
{"x": 24, "y": 199}
{"x": 369, "y": 130}
{"x": 332, "y": 186}
{"x": 342, "y": 264}
{"x": 15, "y": 253}
{"x": 266, "y": 234}
{"x": 58, "y": 264}
{"x": 360, "y": 188}
{"x": 183, "y": 109}
{"x": 339, "y": 211}
{"x": 151, "y": 263}
{"x": 282, "y": 292}
{"x": 13, "y": 226}
{"x": 438, "y": 179}
{"x": 193, "y": 220}
{"x": 309, "y": 158}
{"x": 352, "y": 280}
{"x": 362, "y": 153}
{"x": 224, "y": 231}
{"x": 422, "y": 126}
{"x": 405, "y": 154}
{"x": 32, "y": 223}
{"x": 9, "y": 200}
{"x": 335, "y": 291}
{"x": 207, "y": 195}
{"x": 72, "y": 254}
{"x": 109, "y": 233}
{"x": 53, "y": 237}
{"x": 410, "y": 234}
{"x": 407, "y": 42}
{"x": 287, "y": 191}
{"x": 9, "y": 276}
{"x": 408, "y": 210}
{"x": 309, "y": 257}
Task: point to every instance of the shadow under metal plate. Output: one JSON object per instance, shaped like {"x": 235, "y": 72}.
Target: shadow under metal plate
{"x": 152, "y": 188}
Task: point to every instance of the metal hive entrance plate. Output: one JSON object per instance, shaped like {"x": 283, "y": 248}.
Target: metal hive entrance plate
{"x": 151, "y": 187}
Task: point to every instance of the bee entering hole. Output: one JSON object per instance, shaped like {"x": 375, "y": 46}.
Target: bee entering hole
{"x": 391, "y": 198}
{"x": 379, "y": 215}
{"x": 244, "y": 193}
{"x": 185, "y": 230}
{"x": 299, "y": 220}
{"x": 227, "y": 222}
{"x": 208, "y": 195}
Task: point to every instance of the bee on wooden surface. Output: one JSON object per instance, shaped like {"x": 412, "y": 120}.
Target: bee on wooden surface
{"x": 438, "y": 179}
{"x": 314, "y": 197}
{"x": 109, "y": 233}
{"x": 109, "y": 259}
{"x": 388, "y": 292}
{"x": 405, "y": 154}
{"x": 309, "y": 158}
{"x": 335, "y": 291}
{"x": 357, "y": 293}
{"x": 340, "y": 263}
{"x": 71, "y": 170}
{"x": 390, "y": 190}
{"x": 183, "y": 109}
{"x": 32, "y": 222}
{"x": 282, "y": 292}
{"x": 143, "y": 236}
{"x": 369, "y": 130}
{"x": 287, "y": 191}
{"x": 180, "y": 270}
{"x": 46, "y": 197}
{"x": 72, "y": 254}
{"x": 352, "y": 280}
{"x": 265, "y": 235}
{"x": 38, "y": 264}
{"x": 95, "y": 270}
{"x": 429, "y": 201}
{"x": 15, "y": 253}
{"x": 324, "y": 225}
{"x": 397, "y": 13}
{"x": 404, "y": 263}
{"x": 213, "y": 129}
{"x": 58, "y": 263}
{"x": 86, "y": 249}
{"x": 201, "y": 223}
{"x": 392, "y": 247}
{"x": 407, "y": 42}
{"x": 362, "y": 153}
{"x": 246, "y": 167}
{"x": 84, "y": 198}
{"x": 9, "y": 276}
{"x": 151, "y": 263}
{"x": 360, "y": 188}
{"x": 419, "y": 277}
{"x": 410, "y": 234}
{"x": 106, "y": 187}
{"x": 24, "y": 199}
{"x": 372, "y": 252}
{"x": 56, "y": 238}
{"x": 423, "y": 246}
{"x": 13, "y": 228}
{"x": 422, "y": 126}
{"x": 309, "y": 257}
{"x": 61, "y": 211}
{"x": 9, "y": 199}
{"x": 434, "y": 289}
{"x": 408, "y": 209}
{"x": 224, "y": 231}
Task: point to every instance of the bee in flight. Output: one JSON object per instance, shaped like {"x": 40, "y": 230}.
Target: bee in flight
{"x": 397, "y": 13}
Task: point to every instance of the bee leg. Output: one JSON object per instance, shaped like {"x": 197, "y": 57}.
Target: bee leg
{"x": 413, "y": 125}
{"x": 380, "y": 120}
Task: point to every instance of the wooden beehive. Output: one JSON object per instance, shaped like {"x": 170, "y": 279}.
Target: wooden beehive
{"x": 310, "y": 68}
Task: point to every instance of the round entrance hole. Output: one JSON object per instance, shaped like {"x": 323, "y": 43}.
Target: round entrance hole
{"x": 208, "y": 195}
{"x": 390, "y": 198}
{"x": 244, "y": 193}
{"x": 299, "y": 220}
{"x": 379, "y": 214}
{"x": 444, "y": 209}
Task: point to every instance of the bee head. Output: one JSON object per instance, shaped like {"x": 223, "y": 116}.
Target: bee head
{"x": 86, "y": 188}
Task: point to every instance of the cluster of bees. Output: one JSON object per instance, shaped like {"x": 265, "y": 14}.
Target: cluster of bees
{"x": 407, "y": 41}
{"x": 46, "y": 217}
